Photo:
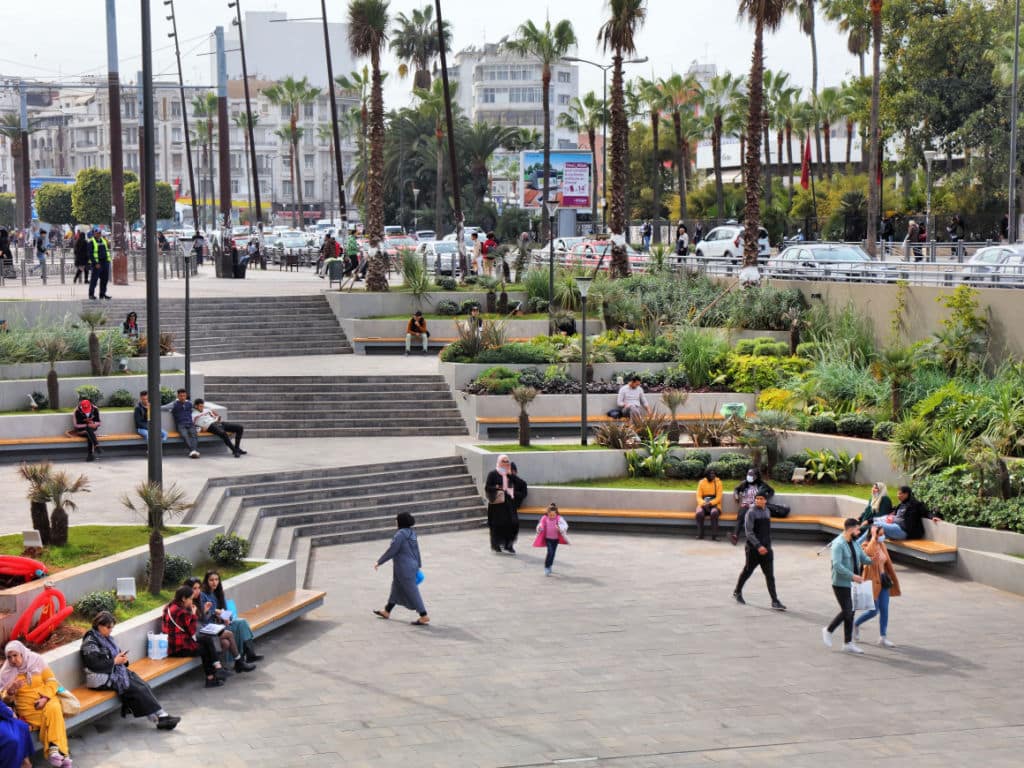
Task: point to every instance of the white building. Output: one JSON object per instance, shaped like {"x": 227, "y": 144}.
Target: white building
{"x": 501, "y": 88}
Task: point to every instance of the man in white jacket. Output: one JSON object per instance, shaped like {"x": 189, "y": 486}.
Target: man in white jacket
{"x": 208, "y": 419}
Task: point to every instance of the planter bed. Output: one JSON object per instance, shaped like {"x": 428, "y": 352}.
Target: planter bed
{"x": 174, "y": 362}
{"x": 347, "y": 306}
{"x": 14, "y": 394}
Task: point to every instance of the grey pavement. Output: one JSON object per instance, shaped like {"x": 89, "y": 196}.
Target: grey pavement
{"x": 633, "y": 654}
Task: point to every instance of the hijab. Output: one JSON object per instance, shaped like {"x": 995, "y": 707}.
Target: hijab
{"x": 505, "y": 485}
{"x": 31, "y": 664}
{"x": 876, "y": 499}
{"x": 85, "y": 406}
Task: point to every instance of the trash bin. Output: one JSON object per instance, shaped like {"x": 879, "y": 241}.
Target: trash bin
{"x": 240, "y": 269}
{"x": 223, "y": 262}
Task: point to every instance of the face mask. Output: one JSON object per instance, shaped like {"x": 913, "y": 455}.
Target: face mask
{"x": 750, "y": 478}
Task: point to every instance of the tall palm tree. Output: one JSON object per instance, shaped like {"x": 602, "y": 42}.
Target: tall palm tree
{"x": 782, "y": 112}
{"x": 853, "y": 17}
{"x": 618, "y": 34}
{"x": 851, "y": 102}
{"x": 805, "y": 13}
{"x": 776, "y": 87}
{"x": 156, "y": 504}
{"x": 585, "y": 116}
{"x": 476, "y": 145}
{"x": 431, "y": 106}
{"x": 715, "y": 99}
{"x": 10, "y": 128}
{"x": 681, "y": 91}
{"x": 292, "y": 136}
{"x": 367, "y": 35}
{"x": 657, "y": 102}
{"x": 414, "y": 42}
{"x": 829, "y": 112}
{"x": 874, "y": 196}
{"x": 325, "y": 134}
{"x": 801, "y": 121}
{"x": 359, "y": 83}
{"x": 293, "y": 94}
{"x": 547, "y": 45}
{"x": 242, "y": 121}
{"x": 204, "y": 107}
{"x": 764, "y": 14}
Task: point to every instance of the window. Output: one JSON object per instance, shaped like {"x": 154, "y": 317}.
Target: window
{"x": 286, "y": 188}
{"x": 177, "y": 135}
{"x": 175, "y": 162}
{"x": 234, "y": 186}
{"x": 308, "y": 159}
{"x": 524, "y": 95}
{"x": 175, "y": 109}
{"x": 565, "y": 77}
{"x": 286, "y": 112}
{"x": 488, "y": 96}
{"x": 307, "y": 111}
{"x": 563, "y": 99}
{"x": 307, "y": 187}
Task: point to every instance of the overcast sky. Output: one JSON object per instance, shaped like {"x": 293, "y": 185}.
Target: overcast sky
{"x": 66, "y": 38}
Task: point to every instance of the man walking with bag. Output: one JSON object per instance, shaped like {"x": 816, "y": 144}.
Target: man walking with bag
{"x": 847, "y": 560}
{"x": 758, "y": 528}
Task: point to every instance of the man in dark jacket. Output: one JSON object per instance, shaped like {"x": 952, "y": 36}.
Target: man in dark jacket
{"x": 758, "y": 528}
{"x": 181, "y": 409}
{"x": 142, "y": 418}
{"x": 744, "y": 495}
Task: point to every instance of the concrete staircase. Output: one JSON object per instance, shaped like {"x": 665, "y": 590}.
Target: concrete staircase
{"x": 287, "y": 514}
{"x": 338, "y": 406}
{"x": 244, "y": 326}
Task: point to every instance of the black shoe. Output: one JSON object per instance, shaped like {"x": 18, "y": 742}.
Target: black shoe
{"x": 108, "y": 298}
{"x": 91, "y": 456}
{"x": 221, "y": 673}
{"x": 236, "y": 454}
{"x": 214, "y": 682}
{"x": 99, "y": 450}
{"x": 240, "y": 452}
{"x": 738, "y": 597}
{"x": 777, "y": 606}
{"x": 241, "y": 665}
{"x": 92, "y": 298}
{"x": 700, "y": 535}
{"x": 168, "y": 722}
{"x": 251, "y": 656}
{"x": 510, "y": 550}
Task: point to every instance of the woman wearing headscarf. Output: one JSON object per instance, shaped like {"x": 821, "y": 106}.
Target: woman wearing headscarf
{"x": 501, "y": 506}
{"x": 106, "y": 669}
{"x": 886, "y": 584}
{"x": 404, "y": 553}
{"x": 520, "y": 491}
{"x": 85, "y": 421}
{"x": 206, "y": 614}
{"x": 31, "y": 687}
{"x": 880, "y": 505}
{"x": 16, "y": 747}
{"x": 212, "y": 594}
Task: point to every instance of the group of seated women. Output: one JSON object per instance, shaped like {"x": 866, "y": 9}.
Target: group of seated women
{"x": 197, "y": 623}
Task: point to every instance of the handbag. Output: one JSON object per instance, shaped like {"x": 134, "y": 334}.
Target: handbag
{"x": 863, "y": 596}
{"x": 778, "y": 510}
{"x": 499, "y": 497}
{"x": 69, "y": 703}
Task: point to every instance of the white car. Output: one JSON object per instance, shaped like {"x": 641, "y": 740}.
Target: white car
{"x": 565, "y": 244}
{"x": 726, "y": 242}
{"x": 825, "y": 262}
{"x": 441, "y": 256}
{"x": 426, "y": 234}
{"x": 986, "y": 265}
{"x": 393, "y": 230}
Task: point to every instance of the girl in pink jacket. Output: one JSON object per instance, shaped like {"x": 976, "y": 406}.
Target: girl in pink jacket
{"x": 550, "y": 533}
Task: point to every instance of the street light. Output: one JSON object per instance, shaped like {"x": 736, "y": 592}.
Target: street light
{"x": 604, "y": 126}
{"x": 583, "y": 283}
{"x": 551, "y": 208}
{"x": 415, "y": 207}
{"x": 929, "y": 157}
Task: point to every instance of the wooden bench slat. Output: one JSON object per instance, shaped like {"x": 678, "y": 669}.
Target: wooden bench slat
{"x": 128, "y": 438}
{"x": 433, "y": 339}
{"x": 603, "y": 417}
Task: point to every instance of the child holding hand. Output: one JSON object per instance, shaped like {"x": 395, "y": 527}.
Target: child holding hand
{"x": 551, "y": 532}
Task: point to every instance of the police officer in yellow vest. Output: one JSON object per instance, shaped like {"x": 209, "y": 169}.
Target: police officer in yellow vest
{"x": 100, "y": 265}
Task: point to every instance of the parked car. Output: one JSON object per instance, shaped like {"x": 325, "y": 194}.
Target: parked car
{"x": 440, "y": 256}
{"x": 289, "y": 242}
{"x": 590, "y": 253}
{"x": 825, "y": 262}
{"x": 565, "y": 244}
{"x": 426, "y": 235}
{"x": 987, "y": 265}
{"x": 726, "y": 242}
{"x": 393, "y": 230}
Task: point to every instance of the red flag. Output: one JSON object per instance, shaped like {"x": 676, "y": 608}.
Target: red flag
{"x": 805, "y": 168}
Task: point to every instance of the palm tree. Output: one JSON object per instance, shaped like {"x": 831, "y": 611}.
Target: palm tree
{"x": 896, "y": 364}
{"x": 59, "y": 487}
{"x": 829, "y": 110}
{"x": 853, "y": 19}
{"x": 656, "y": 102}
{"x": 325, "y": 133}
{"x": 805, "y": 13}
{"x": 367, "y": 34}
{"x": 548, "y": 46}
{"x": 293, "y": 94}
{"x": 804, "y": 119}
{"x": 781, "y": 119}
{"x": 524, "y": 396}
{"x": 204, "y": 108}
{"x": 37, "y": 475}
{"x": 715, "y": 100}
{"x": 242, "y": 121}
{"x": 765, "y": 14}
{"x": 414, "y": 42}
{"x": 432, "y": 106}
{"x": 680, "y": 92}
{"x": 618, "y": 33}
{"x": 10, "y": 128}
{"x": 874, "y": 196}
{"x": 850, "y": 103}
{"x": 476, "y": 145}
{"x": 584, "y": 116}
{"x": 292, "y": 136}
{"x": 359, "y": 83}
{"x": 156, "y": 505}
{"x": 54, "y": 347}
{"x": 778, "y": 96}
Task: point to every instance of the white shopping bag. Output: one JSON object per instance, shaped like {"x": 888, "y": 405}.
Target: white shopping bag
{"x": 156, "y": 646}
{"x": 863, "y": 596}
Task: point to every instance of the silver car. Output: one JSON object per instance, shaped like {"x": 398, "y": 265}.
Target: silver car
{"x": 988, "y": 266}
{"x": 440, "y": 256}
{"x": 824, "y": 262}
{"x": 726, "y": 242}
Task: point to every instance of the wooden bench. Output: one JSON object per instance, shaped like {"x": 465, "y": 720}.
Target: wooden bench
{"x": 508, "y": 426}
{"x": 263, "y": 619}
{"x": 920, "y": 549}
{"x": 55, "y": 443}
{"x": 362, "y": 344}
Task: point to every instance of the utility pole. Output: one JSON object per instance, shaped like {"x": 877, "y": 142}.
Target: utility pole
{"x": 222, "y": 138}
{"x": 25, "y": 193}
{"x": 184, "y": 120}
{"x": 450, "y": 126}
{"x": 339, "y": 175}
{"x": 142, "y": 149}
{"x": 249, "y": 125}
{"x": 117, "y": 224}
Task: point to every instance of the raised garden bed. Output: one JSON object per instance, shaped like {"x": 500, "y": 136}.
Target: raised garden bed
{"x": 87, "y": 543}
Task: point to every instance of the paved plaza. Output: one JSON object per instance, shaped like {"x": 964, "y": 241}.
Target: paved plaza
{"x": 633, "y": 654}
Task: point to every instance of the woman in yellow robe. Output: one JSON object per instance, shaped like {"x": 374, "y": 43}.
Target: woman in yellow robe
{"x": 31, "y": 687}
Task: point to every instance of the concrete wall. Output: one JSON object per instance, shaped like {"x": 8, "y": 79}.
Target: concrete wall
{"x": 83, "y": 367}
{"x": 875, "y": 464}
{"x": 50, "y": 424}
{"x": 14, "y": 395}
{"x": 923, "y": 315}
{"x": 28, "y": 314}
{"x": 514, "y": 328}
{"x": 458, "y": 375}
{"x": 358, "y": 304}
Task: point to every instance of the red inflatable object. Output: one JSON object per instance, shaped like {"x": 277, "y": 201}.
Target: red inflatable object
{"x": 53, "y": 610}
{"x": 25, "y": 567}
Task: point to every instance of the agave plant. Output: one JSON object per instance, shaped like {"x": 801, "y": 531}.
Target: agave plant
{"x": 524, "y": 396}
{"x": 674, "y": 399}
{"x": 156, "y": 504}
{"x": 909, "y": 443}
{"x": 616, "y": 434}
{"x": 650, "y": 424}
{"x": 59, "y": 487}
{"x": 38, "y": 496}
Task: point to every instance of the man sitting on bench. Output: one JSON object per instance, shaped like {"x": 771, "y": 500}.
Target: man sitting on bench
{"x": 417, "y": 326}
{"x": 630, "y": 400}
{"x": 86, "y": 420}
{"x": 209, "y": 419}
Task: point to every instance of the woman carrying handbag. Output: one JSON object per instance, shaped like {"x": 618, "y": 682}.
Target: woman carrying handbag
{"x": 502, "y": 519}
{"x": 882, "y": 576}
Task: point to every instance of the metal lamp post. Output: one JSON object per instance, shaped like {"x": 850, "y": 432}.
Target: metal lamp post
{"x": 929, "y": 157}
{"x": 551, "y": 208}
{"x": 415, "y": 207}
{"x": 583, "y": 283}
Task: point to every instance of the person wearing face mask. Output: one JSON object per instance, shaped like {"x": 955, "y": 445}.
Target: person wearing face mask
{"x": 499, "y": 488}
{"x": 882, "y": 576}
{"x": 744, "y": 495}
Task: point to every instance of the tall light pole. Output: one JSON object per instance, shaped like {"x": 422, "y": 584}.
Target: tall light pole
{"x": 237, "y": 5}
{"x": 223, "y": 149}
{"x": 449, "y": 122}
{"x": 1011, "y": 222}
{"x": 583, "y": 283}
{"x": 929, "y": 158}
{"x": 604, "y": 127}
{"x": 117, "y": 228}
{"x": 551, "y": 208}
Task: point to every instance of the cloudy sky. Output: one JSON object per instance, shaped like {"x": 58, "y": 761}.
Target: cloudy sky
{"x": 65, "y": 39}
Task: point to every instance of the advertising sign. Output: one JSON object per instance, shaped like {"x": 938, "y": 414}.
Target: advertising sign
{"x": 37, "y": 181}
{"x": 570, "y": 183}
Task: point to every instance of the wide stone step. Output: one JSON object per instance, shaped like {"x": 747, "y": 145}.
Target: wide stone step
{"x": 340, "y": 416}
{"x": 328, "y": 395}
{"x": 357, "y": 380}
{"x": 381, "y": 431}
{"x": 386, "y": 532}
{"x": 362, "y": 489}
{"x": 357, "y": 505}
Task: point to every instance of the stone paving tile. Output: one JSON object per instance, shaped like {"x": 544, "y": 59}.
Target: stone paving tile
{"x": 632, "y": 653}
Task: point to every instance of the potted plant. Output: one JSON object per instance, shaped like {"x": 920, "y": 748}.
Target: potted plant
{"x": 674, "y": 400}
{"x": 524, "y": 396}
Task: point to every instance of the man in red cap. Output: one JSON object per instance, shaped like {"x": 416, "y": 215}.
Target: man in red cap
{"x": 86, "y": 422}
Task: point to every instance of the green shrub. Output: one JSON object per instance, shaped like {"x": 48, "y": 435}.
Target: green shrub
{"x": 94, "y": 602}
{"x": 537, "y": 305}
{"x": 531, "y": 377}
{"x": 855, "y": 425}
{"x": 704, "y": 457}
{"x": 823, "y": 424}
{"x": 176, "y": 570}
{"x": 675, "y": 378}
{"x": 89, "y": 392}
{"x": 166, "y": 395}
{"x": 121, "y": 398}
{"x": 955, "y": 495}
{"x": 770, "y": 348}
{"x": 809, "y": 349}
{"x": 683, "y": 468}
{"x": 445, "y": 283}
{"x": 783, "y": 471}
{"x": 228, "y": 549}
{"x": 496, "y": 381}
{"x": 523, "y": 353}
{"x": 455, "y": 353}
{"x": 744, "y": 347}
{"x": 447, "y": 307}
{"x": 701, "y": 354}
{"x": 727, "y": 471}
{"x": 648, "y": 379}
{"x": 467, "y": 306}
{"x": 883, "y": 430}
{"x": 748, "y": 373}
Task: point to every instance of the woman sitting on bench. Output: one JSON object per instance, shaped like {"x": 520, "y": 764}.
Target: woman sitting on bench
{"x": 31, "y": 688}
{"x": 207, "y": 617}
{"x": 106, "y": 668}
{"x": 181, "y": 625}
{"x": 85, "y": 421}
{"x": 213, "y": 594}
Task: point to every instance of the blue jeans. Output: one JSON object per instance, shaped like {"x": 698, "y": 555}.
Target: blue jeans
{"x": 552, "y": 548}
{"x": 145, "y": 435}
{"x": 881, "y": 610}
{"x": 892, "y": 531}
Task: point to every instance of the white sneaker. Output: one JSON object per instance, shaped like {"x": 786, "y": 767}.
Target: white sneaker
{"x": 851, "y": 648}
{"x": 856, "y": 634}
{"x": 194, "y": 455}
{"x": 547, "y": 571}
{"x": 826, "y": 637}
{"x": 885, "y": 642}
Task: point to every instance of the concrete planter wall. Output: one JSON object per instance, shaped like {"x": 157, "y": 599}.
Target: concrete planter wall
{"x": 875, "y": 463}
{"x": 50, "y": 424}
{"x": 248, "y": 590}
{"x": 514, "y": 328}
{"x": 459, "y": 375}
{"x": 173, "y": 362}
{"x": 29, "y": 314}
{"x": 362, "y": 304}
{"x": 14, "y": 395}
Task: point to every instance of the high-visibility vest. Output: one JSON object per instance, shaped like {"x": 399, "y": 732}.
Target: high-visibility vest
{"x": 96, "y": 250}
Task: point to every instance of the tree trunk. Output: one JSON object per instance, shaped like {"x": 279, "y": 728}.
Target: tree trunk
{"x": 545, "y": 89}
{"x": 619, "y": 266}
{"x": 826, "y": 129}
{"x": 524, "y": 428}
{"x": 656, "y": 178}
{"x": 766, "y": 128}
{"x": 40, "y": 521}
{"x": 248, "y": 174}
{"x": 376, "y": 278}
{"x": 156, "y": 560}
{"x": 753, "y": 149}
{"x": 874, "y": 196}
{"x": 94, "y": 353}
{"x": 778, "y": 152}
{"x": 53, "y": 389}
{"x": 849, "y": 145}
{"x": 58, "y": 527}
{"x": 789, "y": 156}
{"x": 681, "y": 169}
{"x": 814, "y": 77}
{"x": 716, "y": 159}
{"x": 291, "y": 173}
{"x": 298, "y": 187}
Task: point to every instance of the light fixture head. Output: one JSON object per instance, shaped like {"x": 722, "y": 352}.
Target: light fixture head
{"x": 930, "y": 155}
{"x": 551, "y": 208}
{"x": 584, "y": 283}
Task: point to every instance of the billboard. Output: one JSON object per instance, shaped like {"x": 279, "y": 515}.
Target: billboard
{"x": 571, "y": 181}
{"x": 37, "y": 181}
